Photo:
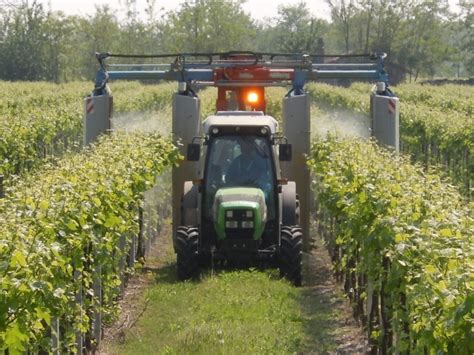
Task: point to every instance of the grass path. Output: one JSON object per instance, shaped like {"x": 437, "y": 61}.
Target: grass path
{"x": 230, "y": 312}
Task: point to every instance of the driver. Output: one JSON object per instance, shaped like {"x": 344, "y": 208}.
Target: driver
{"x": 251, "y": 167}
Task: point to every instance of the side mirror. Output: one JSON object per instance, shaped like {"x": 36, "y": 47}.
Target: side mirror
{"x": 194, "y": 152}
{"x": 285, "y": 152}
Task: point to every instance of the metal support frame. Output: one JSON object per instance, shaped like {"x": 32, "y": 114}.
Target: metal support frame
{"x": 384, "y": 114}
{"x": 297, "y": 128}
{"x": 233, "y": 68}
{"x": 185, "y": 126}
{"x": 97, "y": 117}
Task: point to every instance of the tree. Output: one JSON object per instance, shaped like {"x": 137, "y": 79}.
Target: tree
{"x": 12, "y": 3}
{"x": 98, "y": 33}
{"x": 412, "y": 32}
{"x": 207, "y": 26}
{"x": 420, "y": 35}
{"x": 367, "y": 7}
{"x": 467, "y": 40}
{"x": 296, "y": 31}
{"x": 23, "y": 52}
{"x": 342, "y": 13}
{"x": 422, "y": 46}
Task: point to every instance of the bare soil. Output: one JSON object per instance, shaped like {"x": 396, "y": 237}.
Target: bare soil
{"x": 330, "y": 325}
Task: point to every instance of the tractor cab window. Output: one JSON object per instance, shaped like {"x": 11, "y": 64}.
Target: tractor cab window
{"x": 240, "y": 161}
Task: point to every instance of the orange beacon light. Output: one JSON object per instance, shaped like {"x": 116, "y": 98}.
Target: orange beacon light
{"x": 252, "y": 97}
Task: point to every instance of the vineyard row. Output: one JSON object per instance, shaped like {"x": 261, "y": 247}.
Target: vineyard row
{"x": 60, "y": 236}
{"x": 41, "y": 121}
{"x": 430, "y": 133}
{"x": 403, "y": 244}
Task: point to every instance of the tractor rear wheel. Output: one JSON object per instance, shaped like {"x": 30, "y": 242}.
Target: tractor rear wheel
{"x": 187, "y": 242}
{"x": 291, "y": 254}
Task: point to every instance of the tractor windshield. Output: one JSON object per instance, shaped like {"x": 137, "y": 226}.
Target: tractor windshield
{"x": 236, "y": 161}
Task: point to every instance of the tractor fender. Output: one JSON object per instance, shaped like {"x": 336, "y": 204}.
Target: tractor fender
{"x": 189, "y": 204}
{"x": 290, "y": 204}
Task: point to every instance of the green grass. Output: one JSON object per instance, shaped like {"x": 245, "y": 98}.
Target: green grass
{"x": 237, "y": 312}
{"x": 232, "y": 312}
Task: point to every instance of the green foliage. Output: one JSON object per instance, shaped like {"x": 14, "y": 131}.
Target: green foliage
{"x": 208, "y": 26}
{"x": 402, "y": 235}
{"x": 39, "y": 121}
{"x": 273, "y": 99}
{"x": 416, "y": 34}
{"x": 295, "y": 31}
{"x": 59, "y": 225}
{"x": 436, "y": 124}
{"x": 27, "y": 34}
{"x": 467, "y": 30}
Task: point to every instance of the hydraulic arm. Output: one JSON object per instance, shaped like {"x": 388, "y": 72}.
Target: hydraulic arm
{"x": 237, "y": 69}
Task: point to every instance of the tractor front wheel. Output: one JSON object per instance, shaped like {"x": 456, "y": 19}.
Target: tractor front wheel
{"x": 291, "y": 254}
{"x": 187, "y": 242}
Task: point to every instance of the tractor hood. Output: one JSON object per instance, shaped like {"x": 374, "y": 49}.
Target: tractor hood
{"x": 239, "y": 212}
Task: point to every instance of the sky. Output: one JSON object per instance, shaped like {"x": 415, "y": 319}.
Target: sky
{"x": 258, "y": 9}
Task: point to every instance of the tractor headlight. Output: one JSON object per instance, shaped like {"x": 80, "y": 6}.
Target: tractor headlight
{"x": 249, "y": 214}
{"x": 231, "y": 224}
{"x": 247, "y": 224}
{"x": 229, "y": 214}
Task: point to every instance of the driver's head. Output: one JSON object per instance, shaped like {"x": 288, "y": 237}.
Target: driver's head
{"x": 246, "y": 146}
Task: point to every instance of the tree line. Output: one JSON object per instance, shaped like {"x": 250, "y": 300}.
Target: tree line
{"x": 424, "y": 38}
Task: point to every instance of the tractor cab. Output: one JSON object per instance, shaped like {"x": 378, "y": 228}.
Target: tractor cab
{"x": 240, "y": 173}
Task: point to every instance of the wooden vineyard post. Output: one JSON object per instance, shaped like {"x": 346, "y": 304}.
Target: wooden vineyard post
{"x": 97, "y": 305}
{"x": 2, "y": 193}
{"x": 122, "y": 244}
{"x": 361, "y": 286}
{"x": 132, "y": 251}
{"x": 372, "y": 311}
{"x": 79, "y": 301}
{"x": 55, "y": 336}
{"x": 386, "y": 309}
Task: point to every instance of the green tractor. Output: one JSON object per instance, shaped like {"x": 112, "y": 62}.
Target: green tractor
{"x": 240, "y": 209}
